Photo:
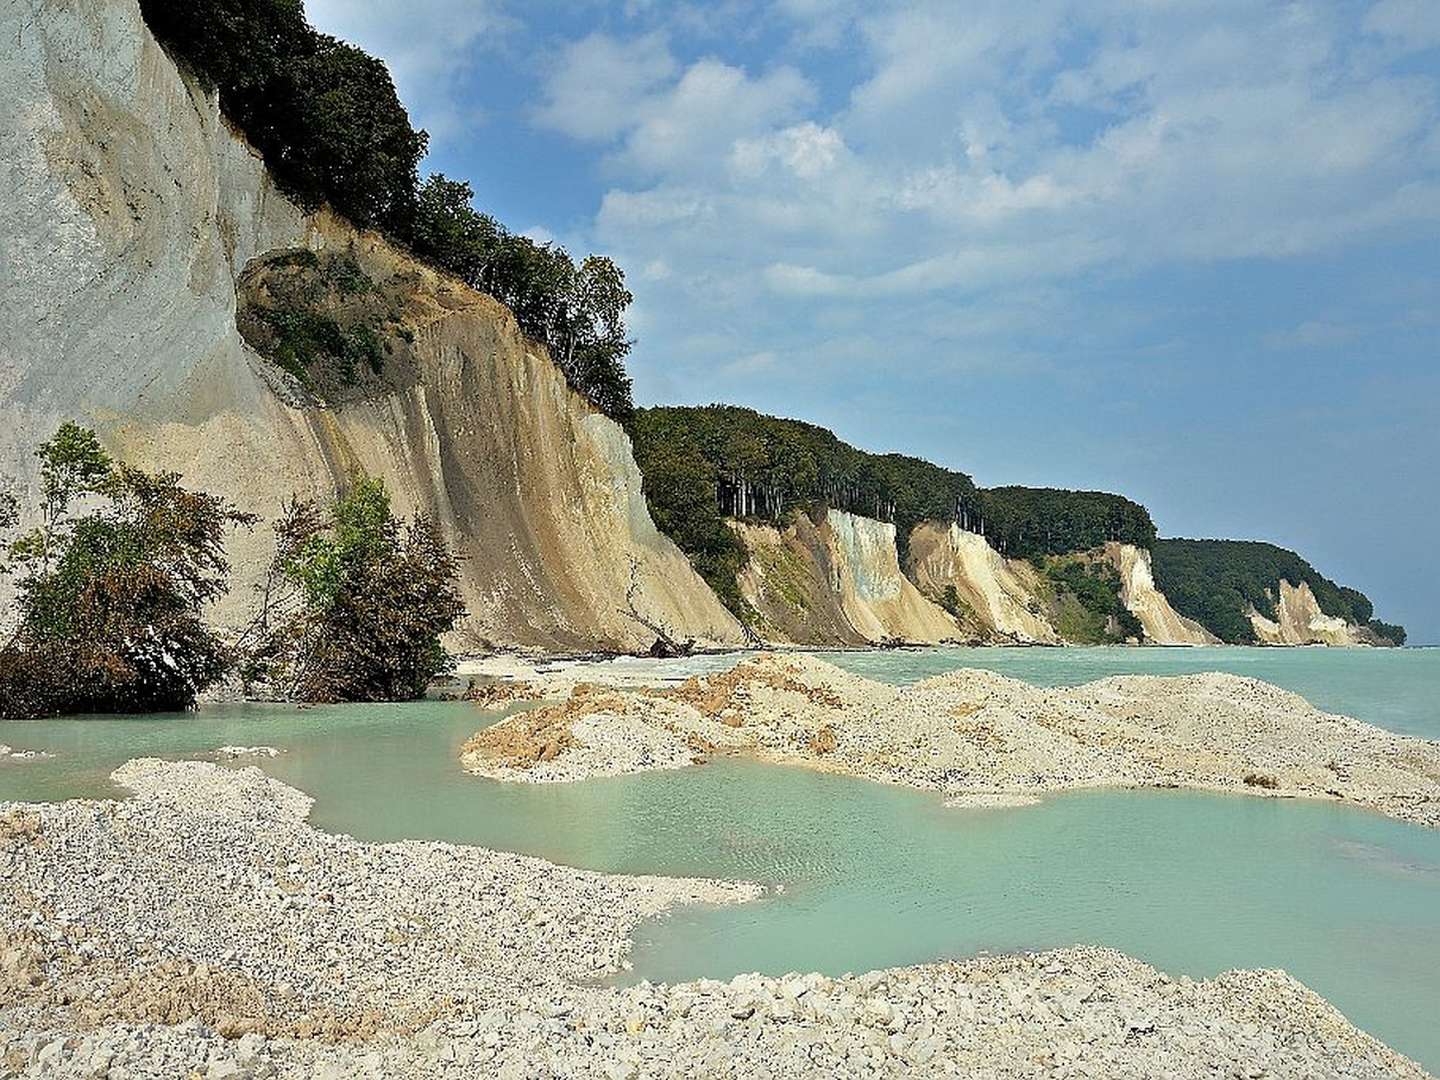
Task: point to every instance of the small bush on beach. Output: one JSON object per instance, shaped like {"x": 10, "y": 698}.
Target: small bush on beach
{"x": 354, "y": 604}
{"x": 110, "y": 600}
{"x": 1261, "y": 780}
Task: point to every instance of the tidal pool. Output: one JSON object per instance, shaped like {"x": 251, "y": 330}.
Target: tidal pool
{"x": 864, "y": 875}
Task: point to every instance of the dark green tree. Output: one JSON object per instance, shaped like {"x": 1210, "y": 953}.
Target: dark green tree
{"x": 111, "y": 600}
{"x": 355, "y": 603}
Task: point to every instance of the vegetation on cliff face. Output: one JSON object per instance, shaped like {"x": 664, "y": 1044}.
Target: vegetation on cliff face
{"x": 110, "y": 600}
{"x": 1083, "y": 594}
{"x": 354, "y": 604}
{"x": 319, "y": 317}
{"x": 327, "y": 119}
{"x": 1024, "y": 522}
{"x": 1216, "y": 582}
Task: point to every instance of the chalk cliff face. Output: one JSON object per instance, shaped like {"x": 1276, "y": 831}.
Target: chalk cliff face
{"x": 999, "y": 593}
{"x": 788, "y": 582}
{"x": 1162, "y": 623}
{"x": 131, "y": 211}
{"x": 1299, "y": 621}
{"x": 835, "y": 583}
{"x": 879, "y": 600}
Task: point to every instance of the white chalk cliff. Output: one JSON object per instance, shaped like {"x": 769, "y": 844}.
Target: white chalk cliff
{"x": 1163, "y": 625}
{"x": 131, "y": 208}
{"x": 835, "y": 582}
{"x": 1001, "y": 593}
{"x": 1299, "y": 621}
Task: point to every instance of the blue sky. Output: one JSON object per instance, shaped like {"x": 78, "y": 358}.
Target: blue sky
{"x": 1188, "y": 251}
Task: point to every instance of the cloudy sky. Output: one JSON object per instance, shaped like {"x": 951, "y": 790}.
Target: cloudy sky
{"x": 1187, "y": 250}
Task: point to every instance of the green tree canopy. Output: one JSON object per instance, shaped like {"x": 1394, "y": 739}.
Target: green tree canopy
{"x": 111, "y": 599}
{"x": 1026, "y": 522}
{"x": 355, "y": 602}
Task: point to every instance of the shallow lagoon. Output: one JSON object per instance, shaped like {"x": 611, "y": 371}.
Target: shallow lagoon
{"x": 865, "y": 875}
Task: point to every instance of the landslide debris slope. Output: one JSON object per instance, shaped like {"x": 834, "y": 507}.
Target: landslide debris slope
{"x": 977, "y": 737}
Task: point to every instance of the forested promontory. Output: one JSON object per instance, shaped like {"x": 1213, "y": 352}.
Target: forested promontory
{"x": 1217, "y": 583}
{"x": 702, "y": 465}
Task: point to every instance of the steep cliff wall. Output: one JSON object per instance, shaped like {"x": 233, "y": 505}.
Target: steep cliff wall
{"x": 1163, "y": 624}
{"x": 132, "y": 209}
{"x": 999, "y": 593}
{"x": 835, "y": 583}
{"x": 1299, "y": 621}
{"x": 878, "y": 599}
{"x": 789, "y": 582}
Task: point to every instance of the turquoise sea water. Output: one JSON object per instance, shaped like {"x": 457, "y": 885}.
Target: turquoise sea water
{"x": 863, "y": 875}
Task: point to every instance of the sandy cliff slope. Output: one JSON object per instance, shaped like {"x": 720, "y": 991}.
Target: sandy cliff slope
{"x": 1000, "y": 592}
{"x": 835, "y": 583}
{"x": 131, "y": 210}
{"x": 1163, "y": 624}
{"x": 788, "y": 581}
{"x": 1300, "y": 621}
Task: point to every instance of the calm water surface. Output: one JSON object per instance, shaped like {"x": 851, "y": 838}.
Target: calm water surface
{"x": 865, "y": 875}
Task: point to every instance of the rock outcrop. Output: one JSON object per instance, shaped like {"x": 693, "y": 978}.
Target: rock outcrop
{"x": 131, "y": 211}
{"x": 837, "y": 582}
{"x": 1162, "y": 623}
{"x": 999, "y": 595}
{"x": 1299, "y": 621}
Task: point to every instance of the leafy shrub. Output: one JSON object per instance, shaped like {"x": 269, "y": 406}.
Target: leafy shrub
{"x": 354, "y": 603}
{"x": 110, "y": 601}
{"x": 1262, "y": 780}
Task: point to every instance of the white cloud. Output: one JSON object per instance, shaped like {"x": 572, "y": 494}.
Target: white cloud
{"x": 1413, "y": 23}
{"x": 807, "y": 150}
{"x": 599, "y": 84}
{"x": 688, "y": 127}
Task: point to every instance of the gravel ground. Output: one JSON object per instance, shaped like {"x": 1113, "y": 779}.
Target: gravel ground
{"x": 979, "y": 738}
{"x": 203, "y": 928}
